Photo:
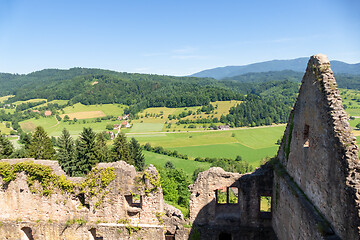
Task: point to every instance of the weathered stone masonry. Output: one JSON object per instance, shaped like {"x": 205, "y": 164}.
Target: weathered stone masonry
{"x": 112, "y": 202}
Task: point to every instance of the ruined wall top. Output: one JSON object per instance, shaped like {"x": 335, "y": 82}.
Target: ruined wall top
{"x": 319, "y": 151}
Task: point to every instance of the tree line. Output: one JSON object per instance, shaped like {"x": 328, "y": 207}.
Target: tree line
{"x": 76, "y": 157}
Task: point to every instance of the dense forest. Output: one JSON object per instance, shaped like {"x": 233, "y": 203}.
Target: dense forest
{"x": 140, "y": 91}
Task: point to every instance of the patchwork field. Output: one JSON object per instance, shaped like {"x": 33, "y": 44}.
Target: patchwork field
{"x": 252, "y": 144}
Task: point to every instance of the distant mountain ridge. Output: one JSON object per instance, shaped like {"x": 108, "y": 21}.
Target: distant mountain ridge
{"x": 297, "y": 65}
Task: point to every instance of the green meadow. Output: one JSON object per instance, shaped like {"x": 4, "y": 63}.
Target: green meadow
{"x": 4, "y": 98}
{"x": 4, "y": 129}
{"x": 187, "y": 165}
{"x": 252, "y": 144}
{"x": 53, "y": 128}
{"x": 107, "y": 109}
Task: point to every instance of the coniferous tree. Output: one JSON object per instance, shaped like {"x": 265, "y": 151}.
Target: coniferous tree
{"x": 137, "y": 155}
{"x": 102, "y": 151}
{"x": 41, "y": 146}
{"x": 66, "y": 154}
{"x": 85, "y": 149}
{"x": 6, "y": 148}
{"x": 120, "y": 150}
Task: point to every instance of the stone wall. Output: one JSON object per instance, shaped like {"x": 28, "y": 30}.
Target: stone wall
{"x": 321, "y": 156}
{"x": 128, "y": 200}
{"x": 241, "y": 220}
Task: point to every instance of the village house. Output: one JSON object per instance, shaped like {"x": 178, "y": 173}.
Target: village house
{"x": 47, "y": 113}
{"x": 126, "y": 124}
{"x": 123, "y": 117}
{"x": 224, "y": 127}
{"x": 111, "y": 134}
{"x": 116, "y": 126}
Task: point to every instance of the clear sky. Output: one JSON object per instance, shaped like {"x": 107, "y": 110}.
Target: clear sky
{"x": 173, "y": 37}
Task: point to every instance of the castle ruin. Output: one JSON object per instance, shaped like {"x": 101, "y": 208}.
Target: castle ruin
{"x": 310, "y": 190}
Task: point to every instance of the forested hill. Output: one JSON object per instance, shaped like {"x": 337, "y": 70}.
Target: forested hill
{"x": 138, "y": 91}
{"x": 344, "y": 80}
{"x": 297, "y": 65}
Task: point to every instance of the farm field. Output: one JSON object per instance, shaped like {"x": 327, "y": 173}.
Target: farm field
{"x": 107, "y": 109}
{"x": 187, "y": 165}
{"x": 260, "y": 144}
{"x": 53, "y": 129}
{"x": 146, "y": 127}
{"x": 252, "y": 144}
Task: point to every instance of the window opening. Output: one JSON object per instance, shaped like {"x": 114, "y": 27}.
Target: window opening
{"x": 134, "y": 200}
{"x": 27, "y": 233}
{"x": 265, "y": 204}
{"x": 227, "y": 195}
{"x": 233, "y": 195}
{"x": 306, "y": 136}
{"x": 225, "y": 236}
{"x": 221, "y": 195}
{"x": 169, "y": 236}
{"x": 93, "y": 235}
{"x": 265, "y": 207}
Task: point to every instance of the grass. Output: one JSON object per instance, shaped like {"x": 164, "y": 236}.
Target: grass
{"x": 4, "y": 129}
{"x": 60, "y": 102}
{"x": 252, "y": 156}
{"x": 222, "y": 108}
{"x": 84, "y": 115}
{"x": 53, "y": 129}
{"x": 252, "y": 144}
{"x": 147, "y": 127}
{"x": 187, "y": 165}
{"x": 4, "y": 98}
{"x": 107, "y": 109}
{"x": 351, "y": 99}
{"x": 31, "y": 100}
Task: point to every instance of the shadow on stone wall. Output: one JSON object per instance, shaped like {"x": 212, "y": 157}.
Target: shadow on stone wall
{"x": 242, "y": 220}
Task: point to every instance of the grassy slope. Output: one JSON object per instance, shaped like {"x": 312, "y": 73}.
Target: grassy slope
{"x": 52, "y": 129}
{"x": 4, "y": 129}
{"x": 187, "y": 165}
{"x": 31, "y": 100}
{"x": 107, "y": 109}
{"x": 4, "y": 98}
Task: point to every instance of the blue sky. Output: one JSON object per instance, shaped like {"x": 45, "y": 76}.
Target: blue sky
{"x": 173, "y": 37}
